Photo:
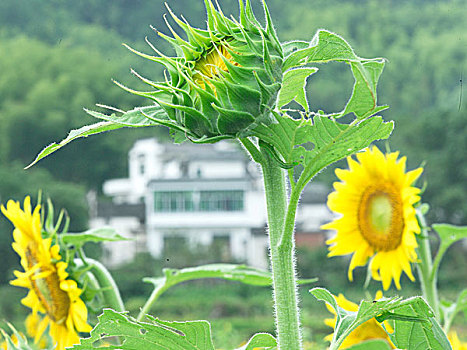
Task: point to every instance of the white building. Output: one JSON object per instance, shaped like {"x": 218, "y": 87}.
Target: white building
{"x": 197, "y": 193}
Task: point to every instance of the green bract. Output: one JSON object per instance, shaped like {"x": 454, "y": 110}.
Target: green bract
{"x": 224, "y": 80}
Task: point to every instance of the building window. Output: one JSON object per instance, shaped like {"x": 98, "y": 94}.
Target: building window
{"x": 221, "y": 201}
{"x": 180, "y": 201}
{"x": 187, "y": 201}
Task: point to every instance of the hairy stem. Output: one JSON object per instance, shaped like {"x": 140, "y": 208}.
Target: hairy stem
{"x": 282, "y": 256}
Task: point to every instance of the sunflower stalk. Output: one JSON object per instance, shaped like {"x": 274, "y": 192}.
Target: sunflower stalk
{"x": 282, "y": 255}
{"x": 109, "y": 288}
{"x": 428, "y": 280}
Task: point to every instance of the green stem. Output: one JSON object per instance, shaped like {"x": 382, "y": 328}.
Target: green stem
{"x": 282, "y": 256}
{"x": 252, "y": 149}
{"x": 287, "y": 237}
{"x": 156, "y": 293}
{"x": 428, "y": 280}
{"x": 107, "y": 284}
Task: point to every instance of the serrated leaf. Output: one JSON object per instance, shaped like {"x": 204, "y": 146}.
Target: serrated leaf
{"x": 138, "y": 117}
{"x": 102, "y": 234}
{"x": 260, "y": 341}
{"x": 326, "y": 46}
{"x": 413, "y": 316}
{"x": 319, "y": 142}
{"x": 154, "y": 335}
{"x": 371, "y": 345}
{"x": 85, "y": 131}
{"x": 293, "y": 86}
{"x": 134, "y": 118}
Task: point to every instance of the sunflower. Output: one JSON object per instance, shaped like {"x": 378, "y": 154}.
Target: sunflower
{"x": 371, "y": 329}
{"x": 455, "y": 342}
{"x": 54, "y": 299}
{"x": 376, "y": 200}
{"x": 211, "y": 65}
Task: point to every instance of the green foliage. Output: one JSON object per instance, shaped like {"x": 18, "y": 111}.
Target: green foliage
{"x": 423, "y": 45}
{"x": 294, "y": 86}
{"x": 240, "y": 273}
{"x": 101, "y": 234}
{"x": 260, "y": 341}
{"x": 330, "y": 140}
{"x": 325, "y": 47}
{"x": 154, "y": 334}
{"x": 414, "y": 322}
{"x": 231, "y": 272}
{"x": 413, "y": 335}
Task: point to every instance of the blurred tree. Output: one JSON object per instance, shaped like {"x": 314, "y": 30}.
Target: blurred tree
{"x": 60, "y": 56}
{"x": 441, "y": 141}
{"x": 42, "y": 92}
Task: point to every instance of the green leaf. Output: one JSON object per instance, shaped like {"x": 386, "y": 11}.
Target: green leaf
{"x": 103, "y": 234}
{"x": 293, "y": 86}
{"x": 448, "y": 235}
{"x": 154, "y": 335}
{"x": 418, "y": 335}
{"x": 371, "y": 345}
{"x": 413, "y": 318}
{"x": 133, "y": 118}
{"x": 231, "y": 272}
{"x": 326, "y": 46}
{"x": 319, "y": 142}
{"x": 291, "y": 46}
{"x": 260, "y": 341}
{"x": 85, "y": 131}
{"x": 138, "y": 117}
{"x": 232, "y": 121}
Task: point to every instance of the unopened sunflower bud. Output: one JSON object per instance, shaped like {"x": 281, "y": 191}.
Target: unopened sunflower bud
{"x": 225, "y": 79}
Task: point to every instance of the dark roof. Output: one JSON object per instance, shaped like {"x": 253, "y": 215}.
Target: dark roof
{"x": 245, "y": 179}
{"x": 110, "y": 209}
{"x": 189, "y": 151}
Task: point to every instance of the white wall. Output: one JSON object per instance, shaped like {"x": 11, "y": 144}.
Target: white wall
{"x": 216, "y": 169}
{"x": 120, "y": 252}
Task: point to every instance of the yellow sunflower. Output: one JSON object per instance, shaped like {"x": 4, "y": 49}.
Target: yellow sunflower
{"x": 376, "y": 200}
{"x": 371, "y": 329}
{"x": 54, "y": 299}
{"x": 212, "y": 65}
{"x": 455, "y": 342}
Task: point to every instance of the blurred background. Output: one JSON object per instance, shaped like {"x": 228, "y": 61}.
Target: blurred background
{"x": 58, "y": 56}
